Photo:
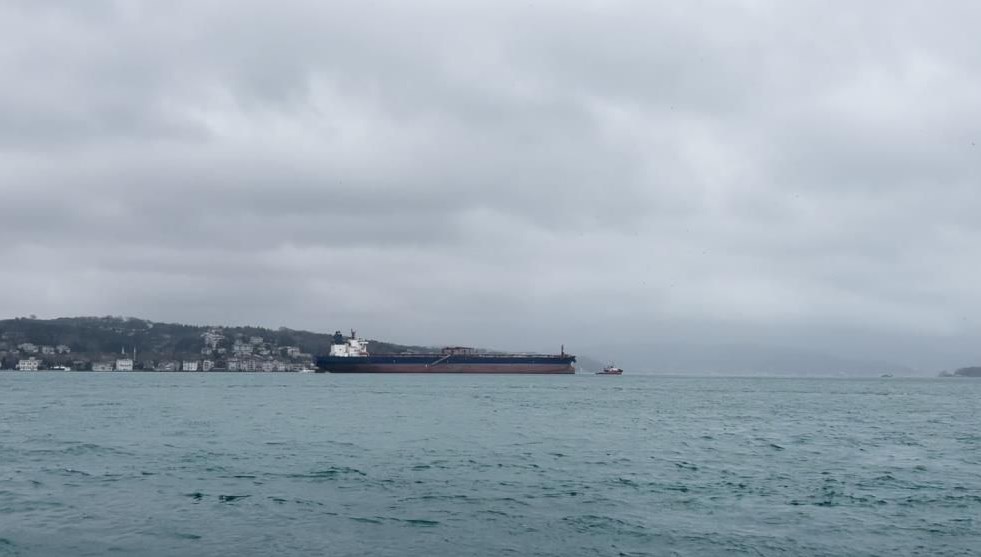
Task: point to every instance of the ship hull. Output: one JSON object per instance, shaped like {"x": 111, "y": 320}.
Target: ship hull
{"x": 520, "y": 365}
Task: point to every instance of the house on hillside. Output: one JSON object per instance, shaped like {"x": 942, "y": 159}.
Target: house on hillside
{"x": 212, "y": 338}
{"x": 241, "y": 349}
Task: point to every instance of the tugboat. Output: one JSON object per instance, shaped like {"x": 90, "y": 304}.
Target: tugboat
{"x": 610, "y": 370}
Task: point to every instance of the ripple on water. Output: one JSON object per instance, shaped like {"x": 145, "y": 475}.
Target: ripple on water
{"x": 417, "y": 522}
{"x": 331, "y": 473}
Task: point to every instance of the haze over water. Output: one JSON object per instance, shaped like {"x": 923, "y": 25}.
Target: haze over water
{"x": 222, "y": 464}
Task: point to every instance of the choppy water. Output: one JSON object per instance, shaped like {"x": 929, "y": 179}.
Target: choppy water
{"x": 289, "y": 464}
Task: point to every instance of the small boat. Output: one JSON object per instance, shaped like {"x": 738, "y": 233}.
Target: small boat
{"x": 307, "y": 370}
{"x": 610, "y": 370}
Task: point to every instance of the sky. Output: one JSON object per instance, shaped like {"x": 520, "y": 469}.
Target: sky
{"x": 608, "y": 175}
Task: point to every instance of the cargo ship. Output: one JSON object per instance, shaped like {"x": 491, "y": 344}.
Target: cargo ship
{"x": 350, "y": 355}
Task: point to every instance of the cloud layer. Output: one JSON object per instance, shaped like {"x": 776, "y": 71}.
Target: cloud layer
{"x": 501, "y": 173}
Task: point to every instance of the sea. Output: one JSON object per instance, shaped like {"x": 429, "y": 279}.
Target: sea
{"x": 168, "y": 464}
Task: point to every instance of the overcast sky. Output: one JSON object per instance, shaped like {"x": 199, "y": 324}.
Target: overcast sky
{"x": 506, "y": 173}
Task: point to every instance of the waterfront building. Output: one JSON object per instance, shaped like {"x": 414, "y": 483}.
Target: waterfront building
{"x": 124, "y": 364}
{"x": 207, "y": 365}
{"x": 189, "y": 365}
{"x": 30, "y": 364}
{"x": 101, "y": 366}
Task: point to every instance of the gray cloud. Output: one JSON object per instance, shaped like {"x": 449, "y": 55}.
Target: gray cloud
{"x": 502, "y": 173}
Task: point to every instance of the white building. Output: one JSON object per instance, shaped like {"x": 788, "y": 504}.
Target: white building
{"x": 189, "y": 365}
{"x": 293, "y": 351}
{"x": 124, "y": 364}
{"x": 256, "y": 341}
{"x": 63, "y": 349}
{"x": 48, "y": 350}
{"x": 27, "y": 347}
{"x": 207, "y": 365}
{"x": 212, "y": 338}
{"x": 102, "y": 366}
{"x": 30, "y": 364}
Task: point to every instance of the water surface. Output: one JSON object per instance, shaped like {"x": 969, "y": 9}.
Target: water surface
{"x": 293, "y": 464}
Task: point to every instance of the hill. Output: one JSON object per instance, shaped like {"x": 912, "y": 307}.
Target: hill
{"x": 80, "y": 341}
